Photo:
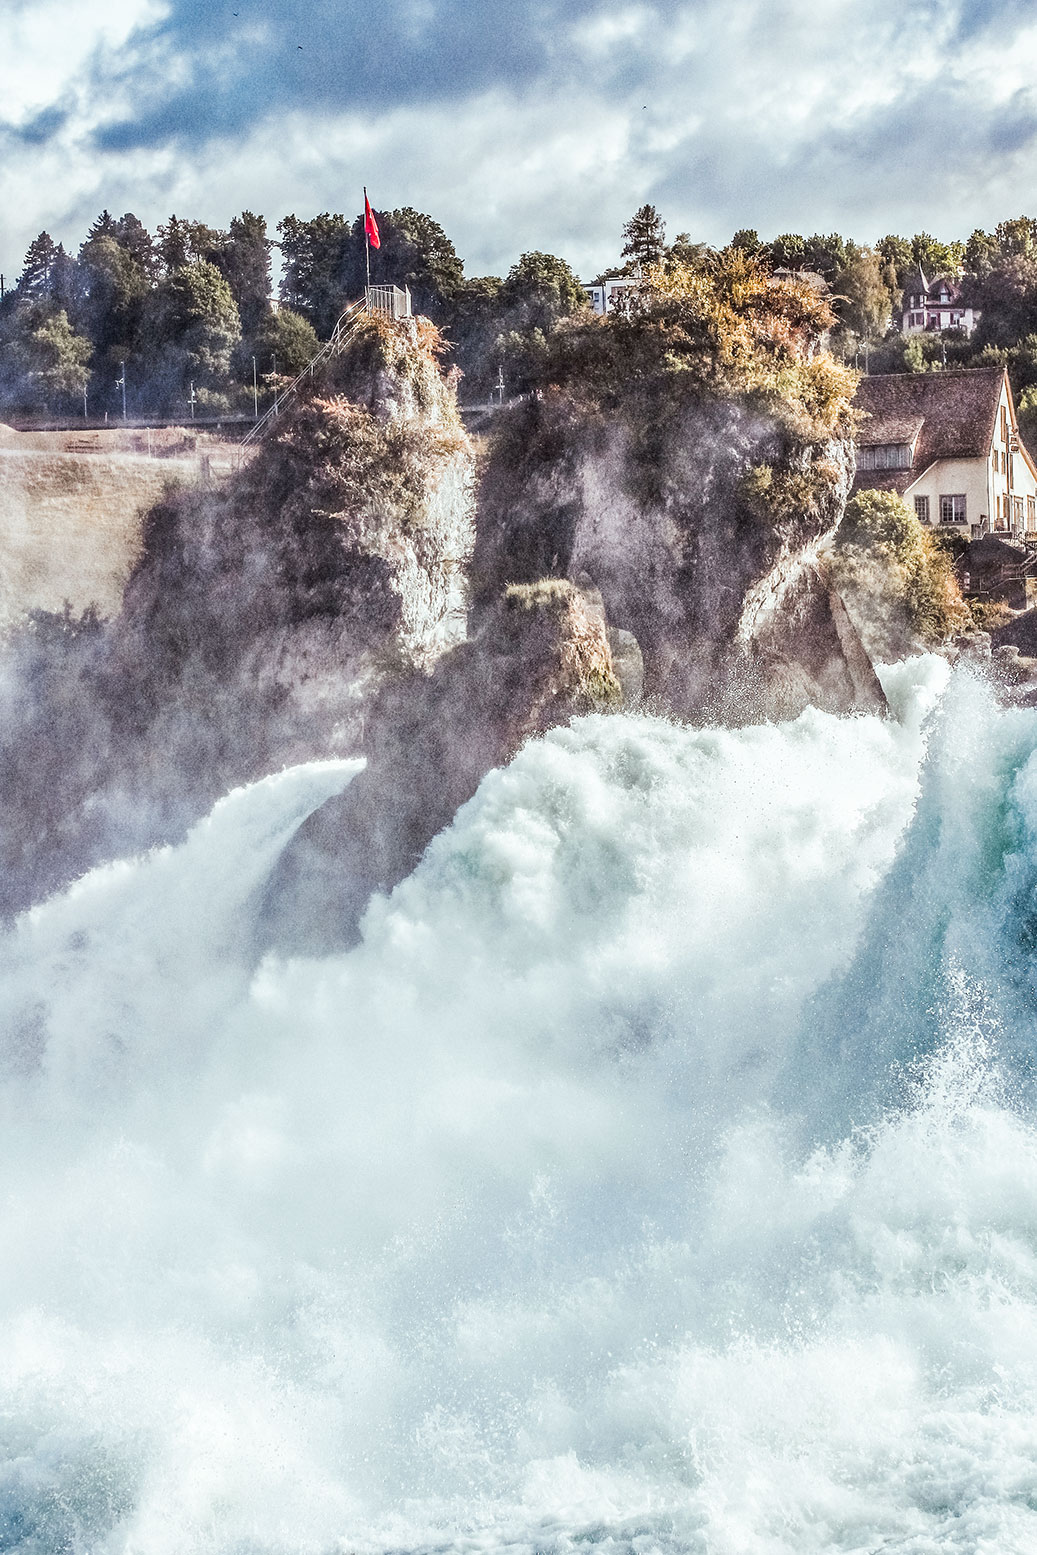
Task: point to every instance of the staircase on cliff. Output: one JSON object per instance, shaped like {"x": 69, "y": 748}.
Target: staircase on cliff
{"x": 392, "y": 302}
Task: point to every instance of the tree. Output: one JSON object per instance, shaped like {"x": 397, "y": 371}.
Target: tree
{"x": 131, "y": 234}
{"x": 191, "y": 329}
{"x": 245, "y": 262}
{"x": 1005, "y": 293}
{"x": 981, "y": 252}
{"x": 748, "y": 240}
{"x": 114, "y": 288}
{"x": 183, "y": 243}
{"x": 539, "y": 290}
{"x": 682, "y": 251}
{"x": 644, "y": 237}
{"x": 863, "y": 299}
{"x": 824, "y": 255}
{"x": 1018, "y": 236}
{"x": 896, "y": 256}
{"x": 788, "y": 252}
{"x": 317, "y": 267}
{"x": 416, "y": 252}
{"x": 827, "y": 254}
{"x": 45, "y": 360}
{"x": 326, "y": 263}
{"x": 284, "y": 343}
{"x": 474, "y": 326}
{"x": 936, "y": 258}
{"x": 888, "y": 558}
{"x": 38, "y": 267}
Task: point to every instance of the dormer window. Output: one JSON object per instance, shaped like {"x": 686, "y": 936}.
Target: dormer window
{"x": 885, "y": 456}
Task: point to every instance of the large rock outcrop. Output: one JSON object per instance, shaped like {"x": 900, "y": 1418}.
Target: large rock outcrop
{"x": 706, "y": 545}
{"x": 262, "y": 619}
{"x": 692, "y": 461}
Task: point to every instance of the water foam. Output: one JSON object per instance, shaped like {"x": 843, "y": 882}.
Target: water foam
{"x": 658, "y": 1173}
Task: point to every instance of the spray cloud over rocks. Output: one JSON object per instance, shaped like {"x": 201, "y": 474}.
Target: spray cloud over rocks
{"x": 526, "y": 1139}
{"x": 525, "y": 1223}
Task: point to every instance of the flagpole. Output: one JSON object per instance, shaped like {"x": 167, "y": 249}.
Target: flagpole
{"x": 367, "y": 241}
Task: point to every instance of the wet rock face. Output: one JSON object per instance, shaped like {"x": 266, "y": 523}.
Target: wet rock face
{"x": 698, "y": 534}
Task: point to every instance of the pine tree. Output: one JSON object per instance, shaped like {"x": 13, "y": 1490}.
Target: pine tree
{"x": 246, "y": 265}
{"x": 645, "y": 235}
{"x": 38, "y": 267}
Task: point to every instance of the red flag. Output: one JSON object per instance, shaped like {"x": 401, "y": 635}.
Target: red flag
{"x": 370, "y": 225}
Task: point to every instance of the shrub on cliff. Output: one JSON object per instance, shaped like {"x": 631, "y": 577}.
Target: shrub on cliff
{"x": 897, "y": 573}
{"x": 723, "y": 324}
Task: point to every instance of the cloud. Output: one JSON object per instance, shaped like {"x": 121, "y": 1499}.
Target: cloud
{"x": 543, "y": 124}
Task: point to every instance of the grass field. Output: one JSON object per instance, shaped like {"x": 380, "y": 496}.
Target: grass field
{"x": 71, "y": 506}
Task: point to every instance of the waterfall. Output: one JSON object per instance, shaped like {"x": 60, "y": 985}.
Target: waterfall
{"x": 659, "y": 1172}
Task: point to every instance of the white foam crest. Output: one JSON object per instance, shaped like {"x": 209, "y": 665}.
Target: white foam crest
{"x": 505, "y": 1230}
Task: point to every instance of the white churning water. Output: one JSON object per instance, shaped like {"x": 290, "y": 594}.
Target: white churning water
{"x": 658, "y": 1174}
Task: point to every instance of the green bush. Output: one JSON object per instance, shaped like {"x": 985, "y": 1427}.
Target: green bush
{"x": 882, "y": 549}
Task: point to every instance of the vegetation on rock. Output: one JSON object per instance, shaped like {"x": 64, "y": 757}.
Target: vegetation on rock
{"x": 897, "y": 576}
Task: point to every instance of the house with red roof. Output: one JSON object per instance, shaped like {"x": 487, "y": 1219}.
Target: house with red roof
{"x": 948, "y": 442}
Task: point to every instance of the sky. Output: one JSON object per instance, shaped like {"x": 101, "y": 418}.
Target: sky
{"x": 536, "y": 124}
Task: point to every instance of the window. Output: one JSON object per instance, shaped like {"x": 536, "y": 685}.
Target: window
{"x": 922, "y": 509}
{"x": 885, "y": 456}
{"x": 1017, "y": 512}
{"x": 952, "y": 509}
{"x": 995, "y": 460}
{"x": 1031, "y": 512}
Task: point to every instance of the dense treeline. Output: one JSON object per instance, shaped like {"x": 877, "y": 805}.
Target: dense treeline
{"x": 183, "y": 321}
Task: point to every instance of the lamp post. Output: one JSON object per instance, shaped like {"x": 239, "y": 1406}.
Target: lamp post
{"x": 120, "y": 383}
{"x": 255, "y": 391}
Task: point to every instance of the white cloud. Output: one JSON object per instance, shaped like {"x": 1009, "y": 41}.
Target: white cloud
{"x": 47, "y": 45}
{"x": 779, "y": 114}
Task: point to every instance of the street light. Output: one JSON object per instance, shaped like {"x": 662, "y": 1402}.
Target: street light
{"x": 120, "y": 383}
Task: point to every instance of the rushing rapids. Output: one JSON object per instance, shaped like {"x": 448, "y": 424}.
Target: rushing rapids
{"x": 658, "y": 1173}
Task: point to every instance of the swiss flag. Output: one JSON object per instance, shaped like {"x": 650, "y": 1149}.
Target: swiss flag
{"x": 370, "y": 225}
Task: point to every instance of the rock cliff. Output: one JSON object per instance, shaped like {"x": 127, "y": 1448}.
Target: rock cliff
{"x": 697, "y": 495}
{"x": 262, "y": 618}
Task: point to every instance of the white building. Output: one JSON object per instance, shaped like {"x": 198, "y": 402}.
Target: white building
{"x": 949, "y": 443}
{"x": 611, "y": 296}
{"x": 935, "y": 305}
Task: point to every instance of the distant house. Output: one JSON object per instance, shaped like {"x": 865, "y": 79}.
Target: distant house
{"x": 935, "y": 305}
{"x": 611, "y": 295}
{"x": 949, "y": 443}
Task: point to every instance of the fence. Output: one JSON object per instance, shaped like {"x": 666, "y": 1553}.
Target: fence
{"x": 392, "y": 301}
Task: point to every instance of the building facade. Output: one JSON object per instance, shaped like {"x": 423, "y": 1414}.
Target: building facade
{"x": 949, "y": 443}
{"x": 935, "y": 305}
{"x": 611, "y": 295}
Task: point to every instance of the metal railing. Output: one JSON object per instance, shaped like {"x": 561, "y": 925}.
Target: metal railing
{"x": 392, "y": 301}
{"x": 339, "y": 335}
